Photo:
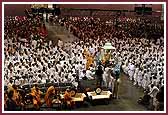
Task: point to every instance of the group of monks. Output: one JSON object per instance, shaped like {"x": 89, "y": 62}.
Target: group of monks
{"x": 50, "y": 97}
{"x": 36, "y": 94}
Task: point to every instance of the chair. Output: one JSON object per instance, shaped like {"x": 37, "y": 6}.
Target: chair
{"x": 61, "y": 84}
{"x": 25, "y": 87}
{"x": 49, "y": 84}
{"x": 5, "y": 88}
{"x": 28, "y": 99}
{"x": 69, "y": 84}
{"x": 43, "y": 89}
{"x": 41, "y": 85}
{"x": 32, "y": 85}
{"x": 56, "y": 84}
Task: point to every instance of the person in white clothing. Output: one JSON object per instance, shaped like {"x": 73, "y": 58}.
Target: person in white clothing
{"x": 144, "y": 80}
{"x": 139, "y": 78}
{"x": 136, "y": 75}
{"x": 89, "y": 74}
{"x": 107, "y": 77}
{"x": 131, "y": 71}
{"x": 153, "y": 92}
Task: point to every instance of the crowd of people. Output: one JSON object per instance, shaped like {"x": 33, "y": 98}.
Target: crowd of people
{"x": 139, "y": 51}
{"x": 139, "y": 44}
{"x": 141, "y": 58}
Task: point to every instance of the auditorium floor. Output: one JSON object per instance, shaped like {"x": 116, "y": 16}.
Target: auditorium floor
{"x": 128, "y": 96}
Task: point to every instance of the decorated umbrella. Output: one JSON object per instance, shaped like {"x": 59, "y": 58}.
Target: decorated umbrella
{"x": 108, "y": 46}
{"x": 107, "y": 56}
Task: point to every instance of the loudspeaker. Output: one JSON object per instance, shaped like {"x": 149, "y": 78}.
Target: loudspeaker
{"x": 54, "y": 5}
{"x": 56, "y": 10}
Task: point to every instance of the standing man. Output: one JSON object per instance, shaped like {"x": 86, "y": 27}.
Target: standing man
{"x": 116, "y": 72}
{"x": 153, "y": 93}
{"x": 131, "y": 71}
{"x": 99, "y": 75}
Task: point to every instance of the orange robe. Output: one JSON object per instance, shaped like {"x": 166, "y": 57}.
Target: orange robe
{"x": 106, "y": 58}
{"x": 90, "y": 61}
{"x": 49, "y": 93}
{"x": 36, "y": 96}
{"x": 68, "y": 98}
{"x": 16, "y": 96}
{"x": 85, "y": 52}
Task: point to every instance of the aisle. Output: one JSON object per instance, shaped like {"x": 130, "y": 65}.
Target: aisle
{"x": 128, "y": 95}
{"x": 56, "y": 32}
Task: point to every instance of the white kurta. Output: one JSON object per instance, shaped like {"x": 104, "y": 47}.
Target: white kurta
{"x": 89, "y": 74}
{"x": 131, "y": 71}
{"x": 139, "y": 78}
